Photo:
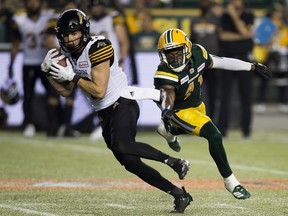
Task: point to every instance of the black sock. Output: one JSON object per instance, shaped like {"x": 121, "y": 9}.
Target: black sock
{"x": 170, "y": 160}
{"x": 176, "y": 192}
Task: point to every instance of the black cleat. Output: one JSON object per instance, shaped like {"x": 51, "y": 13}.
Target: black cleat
{"x": 181, "y": 167}
{"x": 181, "y": 202}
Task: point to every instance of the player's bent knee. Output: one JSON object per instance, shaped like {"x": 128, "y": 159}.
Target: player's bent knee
{"x": 211, "y": 132}
{"x": 132, "y": 165}
{"x": 217, "y": 137}
{"x": 121, "y": 147}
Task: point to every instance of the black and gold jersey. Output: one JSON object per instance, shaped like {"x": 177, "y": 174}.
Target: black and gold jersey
{"x": 187, "y": 83}
{"x": 101, "y": 51}
{"x": 98, "y": 50}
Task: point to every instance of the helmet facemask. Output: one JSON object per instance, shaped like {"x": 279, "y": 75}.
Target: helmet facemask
{"x": 179, "y": 61}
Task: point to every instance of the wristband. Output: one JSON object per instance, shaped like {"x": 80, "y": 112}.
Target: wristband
{"x": 76, "y": 79}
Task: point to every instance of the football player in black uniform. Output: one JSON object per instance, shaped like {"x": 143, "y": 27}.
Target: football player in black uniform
{"x": 183, "y": 112}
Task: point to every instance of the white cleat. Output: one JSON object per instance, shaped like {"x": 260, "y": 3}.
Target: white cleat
{"x": 170, "y": 138}
{"x": 96, "y": 134}
{"x": 29, "y": 131}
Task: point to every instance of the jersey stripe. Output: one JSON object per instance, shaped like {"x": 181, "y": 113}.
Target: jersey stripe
{"x": 168, "y": 37}
{"x": 203, "y": 51}
{"x": 165, "y": 75}
{"x": 184, "y": 125}
{"x": 101, "y": 54}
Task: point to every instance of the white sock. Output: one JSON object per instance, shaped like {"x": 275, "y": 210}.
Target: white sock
{"x": 231, "y": 182}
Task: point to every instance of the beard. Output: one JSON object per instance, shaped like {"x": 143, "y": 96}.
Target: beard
{"x": 33, "y": 12}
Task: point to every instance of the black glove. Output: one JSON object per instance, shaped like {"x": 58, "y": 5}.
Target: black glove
{"x": 166, "y": 117}
{"x": 262, "y": 71}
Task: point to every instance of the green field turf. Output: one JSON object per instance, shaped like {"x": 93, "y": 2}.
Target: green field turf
{"x": 53, "y": 177}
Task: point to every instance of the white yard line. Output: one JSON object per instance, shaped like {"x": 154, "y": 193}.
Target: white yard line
{"x": 119, "y": 206}
{"x": 259, "y": 169}
{"x": 61, "y": 144}
{"x": 223, "y": 205}
{"x": 243, "y": 167}
{"x": 27, "y": 211}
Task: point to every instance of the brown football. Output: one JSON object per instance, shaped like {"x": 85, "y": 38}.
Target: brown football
{"x": 61, "y": 62}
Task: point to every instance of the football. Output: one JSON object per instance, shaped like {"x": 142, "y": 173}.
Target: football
{"x": 61, "y": 62}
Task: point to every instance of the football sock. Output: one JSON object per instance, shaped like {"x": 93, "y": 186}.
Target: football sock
{"x": 170, "y": 160}
{"x": 231, "y": 182}
{"x": 216, "y": 148}
{"x": 176, "y": 192}
{"x": 147, "y": 173}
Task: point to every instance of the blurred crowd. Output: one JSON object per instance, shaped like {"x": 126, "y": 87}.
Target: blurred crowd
{"x": 131, "y": 26}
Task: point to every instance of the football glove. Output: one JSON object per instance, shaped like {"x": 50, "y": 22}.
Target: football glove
{"x": 61, "y": 73}
{"x": 262, "y": 71}
{"x": 52, "y": 55}
{"x": 166, "y": 117}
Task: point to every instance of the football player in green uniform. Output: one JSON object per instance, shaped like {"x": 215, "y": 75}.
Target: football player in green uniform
{"x": 179, "y": 75}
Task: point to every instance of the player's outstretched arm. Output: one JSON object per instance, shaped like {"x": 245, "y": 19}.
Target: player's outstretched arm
{"x": 233, "y": 64}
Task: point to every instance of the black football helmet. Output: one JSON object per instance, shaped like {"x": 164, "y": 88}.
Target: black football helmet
{"x": 9, "y": 92}
{"x": 70, "y": 21}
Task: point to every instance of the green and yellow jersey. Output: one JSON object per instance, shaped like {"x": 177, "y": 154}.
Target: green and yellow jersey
{"x": 187, "y": 83}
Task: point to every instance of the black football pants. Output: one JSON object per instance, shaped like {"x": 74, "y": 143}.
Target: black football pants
{"x": 119, "y": 124}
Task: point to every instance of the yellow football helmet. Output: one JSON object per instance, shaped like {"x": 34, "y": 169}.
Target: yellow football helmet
{"x": 170, "y": 40}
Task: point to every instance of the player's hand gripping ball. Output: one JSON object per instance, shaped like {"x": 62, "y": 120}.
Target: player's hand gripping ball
{"x": 52, "y": 55}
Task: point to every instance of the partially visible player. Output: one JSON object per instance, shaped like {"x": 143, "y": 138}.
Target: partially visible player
{"x": 183, "y": 112}
{"x": 65, "y": 110}
{"x": 29, "y": 29}
{"x": 93, "y": 67}
{"x": 109, "y": 24}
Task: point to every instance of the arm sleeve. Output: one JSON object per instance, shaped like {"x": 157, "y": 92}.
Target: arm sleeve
{"x": 230, "y": 64}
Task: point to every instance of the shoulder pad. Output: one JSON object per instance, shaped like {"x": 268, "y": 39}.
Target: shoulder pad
{"x": 203, "y": 50}
{"x": 166, "y": 75}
